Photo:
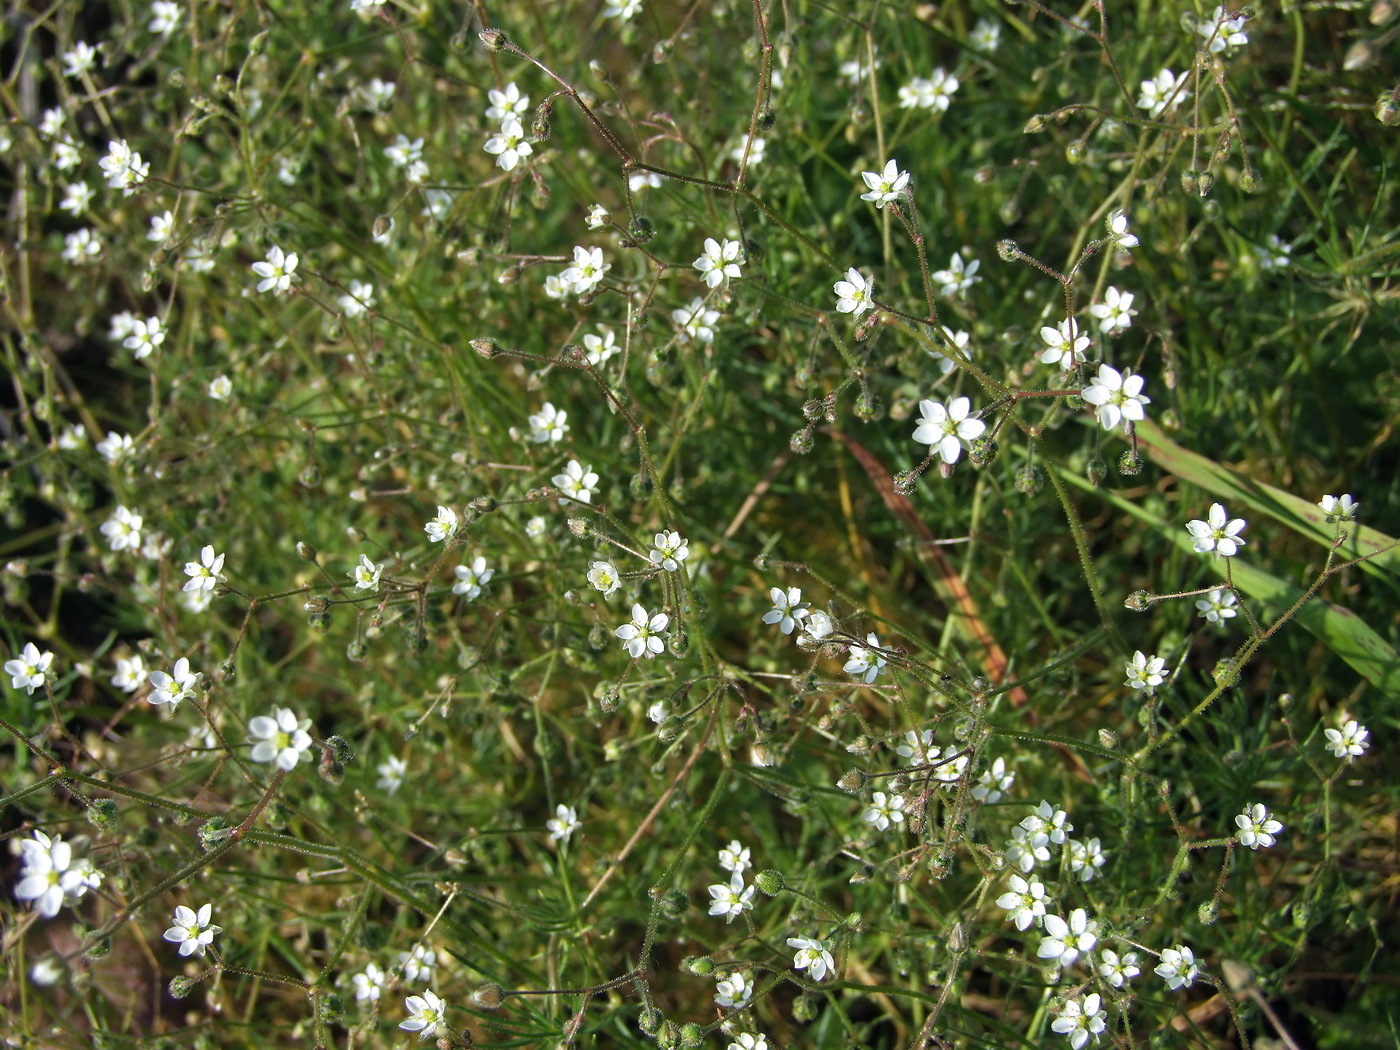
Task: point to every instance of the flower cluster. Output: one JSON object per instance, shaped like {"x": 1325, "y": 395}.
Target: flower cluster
{"x": 732, "y": 898}
{"x": 508, "y": 145}
{"x": 933, "y": 92}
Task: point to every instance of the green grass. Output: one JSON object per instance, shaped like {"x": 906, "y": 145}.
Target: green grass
{"x": 781, "y": 451}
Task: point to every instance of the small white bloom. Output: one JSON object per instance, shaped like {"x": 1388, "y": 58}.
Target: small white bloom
{"x": 77, "y": 196}
{"x": 366, "y": 574}
{"x": 933, "y": 92}
{"x": 985, "y": 36}
{"x": 959, "y": 276}
{"x": 731, "y": 899}
{"x": 81, "y": 246}
{"x": 1222, "y": 31}
{"x": 508, "y": 145}
{"x": 145, "y": 337}
{"x": 204, "y": 574}
{"x": 577, "y": 482}
{"x": 644, "y": 180}
{"x": 377, "y": 94}
{"x": 1065, "y": 939}
{"x": 114, "y": 446}
{"x": 536, "y": 527}
{"x": 162, "y": 226}
{"x": 587, "y": 272}
{"x": 993, "y": 782}
{"x": 221, "y": 388}
{"x": 472, "y": 578}
{"x": 622, "y": 10}
{"x": 391, "y": 773}
{"x": 130, "y": 674}
{"x": 443, "y": 526}
{"x": 1116, "y": 971}
{"x": 1047, "y": 824}
{"x": 603, "y": 576}
{"x": 192, "y": 931}
{"x": 1024, "y": 902}
{"x": 886, "y": 186}
{"x": 548, "y": 425}
{"x": 280, "y": 738}
{"x": 1165, "y": 91}
{"x": 1085, "y": 858}
{"x": 1117, "y": 223}
{"x": 369, "y": 984}
{"x": 276, "y": 271}
{"x": 735, "y": 858}
{"x": 641, "y": 637}
{"x": 757, "y": 146}
{"x": 855, "y": 294}
{"x": 425, "y": 1015}
{"x": 81, "y": 59}
{"x": 748, "y": 1041}
{"x": 507, "y": 103}
{"x": 1348, "y": 742}
{"x": 1115, "y": 313}
{"x": 404, "y": 152}
{"x": 30, "y": 670}
{"x": 1080, "y": 1020}
{"x": 1256, "y": 827}
{"x": 563, "y": 824}
{"x": 696, "y": 322}
{"x": 734, "y": 992}
{"x": 1273, "y": 254}
{"x": 884, "y": 810}
{"x": 418, "y": 964}
{"x": 1064, "y": 345}
{"x": 788, "y": 608}
{"x": 812, "y": 956}
{"x": 1177, "y": 968}
{"x": 1022, "y": 854}
{"x": 1216, "y": 534}
{"x": 597, "y": 217}
{"x": 945, "y": 428}
{"x": 865, "y": 662}
{"x": 123, "y": 530}
{"x": 719, "y": 262}
{"x": 1338, "y": 508}
{"x": 359, "y": 300}
{"x": 669, "y": 549}
{"x": 165, "y": 17}
{"x": 123, "y": 167}
{"x": 1145, "y": 672}
{"x": 1217, "y": 606}
{"x": 600, "y": 347}
{"x": 1117, "y": 397}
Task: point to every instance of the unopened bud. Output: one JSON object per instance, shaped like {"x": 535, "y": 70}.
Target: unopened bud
{"x": 770, "y": 883}
{"x": 1034, "y": 126}
{"x": 1130, "y": 463}
{"x": 305, "y": 551}
{"x": 1138, "y": 601}
{"x": 487, "y": 348}
{"x": 801, "y": 441}
{"x": 1095, "y": 469}
{"x": 853, "y": 781}
{"x": 1008, "y": 251}
{"x": 488, "y": 996}
{"x": 494, "y": 39}
{"x": 699, "y": 965}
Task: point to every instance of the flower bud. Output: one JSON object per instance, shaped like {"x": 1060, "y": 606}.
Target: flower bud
{"x": 1130, "y": 463}
{"x": 1207, "y": 913}
{"x": 769, "y": 883}
{"x": 692, "y": 1034}
{"x": 1095, "y": 469}
{"x": 494, "y": 39}
{"x": 487, "y": 996}
{"x": 983, "y": 451}
{"x": 1008, "y": 251}
{"x": 1138, "y": 601}
{"x": 180, "y": 987}
{"x": 579, "y": 526}
{"x": 852, "y": 781}
{"x": 1388, "y": 108}
{"x": 305, "y": 551}
{"x": 867, "y": 406}
{"x": 102, "y": 813}
{"x": 1034, "y": 126}
{"x": 1030, "y": 479}
{"x": 699, "y": 965}
{"x": 487, "y": 348}
{"x": 801, "y": 441}
{"x": 904, "y": 481}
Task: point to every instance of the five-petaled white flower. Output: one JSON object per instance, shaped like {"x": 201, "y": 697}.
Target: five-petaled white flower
{"x": 731, "y": 899}
{"x": 30, "y": 670}
{"x": 391, "y": 772}
{"x": 204, "y": 574}
{"x": 1065, "y": 939}
{"x": 1216, "y": 534}
{"x": 1080, "y": 1019}
{"x": 719, "y": 262}
{"x": 114, "y": 446}
{"x": 577, "y": 481}
{"x": 77, "y": 196}
{"x": 366, "y": 574}
{"x": 1145, "y": 672}
{"x": 854, "y": 294}
{"x": 993, "y": 782}
{"x": 697, "y": 322}
{"x": 1222, "y": 31}
{"x": 443, "y": 526}
{"x": 1022, "y": 854}
{"x": 280, "y": 737}
{"x": 81, "y": 245}
{"x": 884, "y": 810}
{"x": 220, "y": 388}
{"x": 1116, "y": 971}
{"x": 49, "y": 874}
{"x": 472, "y": 578}
{"x": 165, "y": 17}
{"x": 123, "y": 530}
{"x": 598, "y": 348}
{"x": 507, "y": 103}
{"x": 1047, "y": 823}
{"x": 734, "y": 992}
{"x": 1117, "y": 397}
{"x": 178, "y": 685}
{"x": 1117, "y": 223}
{"x": 865, "y": 662}
{"x": 668, "y": 550}
{"x": 596, "y": 218}
{"x": 123, "y": 167}
{"x": 130, "y": 674}
{"x": 735, "y": 857}
{"x": 622, "y": 10}
{"x": 369, "y": 984}
{"x": 1085, "y": 858}
{"x": 145, "y": 337}
{"x": 1164, "y": 91}
{"x": 418, "y": 964}
{"x": 82, "y": 59}
{"x": 1177, "y": 968}
{"x": 192, "y": 931}
{"x": 932, "y": 92}
{"x": 788, "y": 608}
{"x": 603, "y": 576}
{"x": 548, "y": 425}
{"x": 641, "y": 637}
{"x": 1116, "y": 311}
{"x": 1024, "y": 903}
{"x": 587, "y": 272}
{"x": 1338, "y": 508}
{"x": 425, "y": 1014}
{"x": 563, "y": 824}
{"x": 1064, "y": 344}
{"x": 748, "y": 1041}
{"x": 1257, "y": 828}
{"x": 944, "y": 428}
{"x": 358, "y": 301}
{"x": 959, "y": 276}
{"x": 885, "y": 186}
{"x": 1217, "y": 606}
{"x": 508, "y": 145}
{"x": 276, "y": 270}
{"x": 1348, "y": 742}
{"x": 811, "y": 956}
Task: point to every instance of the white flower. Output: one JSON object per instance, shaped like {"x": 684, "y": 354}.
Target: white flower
{"x": 1116, "y": 311}
{"x": 1273, "y": 253}
{"x": 865, "y": 662}
{"x": 854, "y": 294}
{"x": 1064, "y": 345}
{"x": 1116, "y": 971}
{"x": 1064, "y": 940}
{"x": 404, "y": 151}
{"x": 1338, "y": 508}
{"x": 114, "y": 446}
{"x": 418, "y": 964}
{"x": 1145, "y": 672}
{"x": 472, "y": 578}
{"x": 1022, "y": 854}
{"x": 959, "y": 340}
{"x": 1348, "y": 742}
{"x": 77, "y": 196}
{"x": 508, "y": 145}
{"x": 50, "y": 874}
{"x": 536, "y": 527}
{"x": 165, "y": 17}
{"x": 935, "y": 92}
{"x": 358, "y": 301}
{"x": 1117, "y": 397}
{"x": 548, "y": 425}
{"x": 884, "y": 810}
{"x": 885, "y": 186}
{"x": 443, "y": 526}
{"x": 1217, "y": 606}
{"x": 424, "y": 1014}
{"x": 622, "y": 10}
{"x": 959, "y": 276}
{"x": 817, "y": 627}
{"x": 1024, "y": 902}
{"x": 391, "y": 772}
{"x": 757, "y": 146}
{"x": 1164, "y": 91}
{"x": 1085, "y": 858}
{"x": 280, "y": 738}
{"x": 811, "y": 956}
{"x": 1216, "y": 534}
{"x": 1080, "y": 1020}
{"x": 643, "y": 180}
{"x": 600, "y": 347}
{"x": 696, "y": 322}
{"x": 1117, "y": 223}
{"x": 563, "y": 824}
{"x": 378, "y": 93}
{"x": 748, "y": 1041}
{"x": 918, "y": 748}
{"x": 507, "y": 103}
{"x": 130, "y": 674}
{"x": 597, "y": 217}
{"x": 587, "y": 271}
{"x": 944, "y": 428}
{"x": 204, "y": 574}
{"x": 66, "y": 156}
{"x": 192, "y": 932}
{"x": 578, "y": 482}
{"x": 369, "y": 984}
{"x": 1257, "y": 828}
{"x": 668, "y": 550}
{"x": 145, "y": 336}
{"x": 855, "y": 72}
{"x": 71, "y": 439}
{"x": 81, "y": 245}
{"x": 123, "y": 530}
{"x": 366, "y": 574}
{"x": 731, "y": 899}
{"x": 30, "y": 670}
{"x": 1177, "y": 968}
{"x": 123, "y": 167}
{"x": 179, "y": 684}
{"x": 221, "y": 388}
{"x": 642, "y": 636}
{"x": 719, "y": 262}
{"x": 985, "y": 36}
{"x": 82, "y": 59}
{"x": 734, "y": 992}
{"x": 1222, "y": 32}
{"x": 788, "y": 608}
{"x": 735, "y": 858}
{"x": 603, "y": 576}
{"x": 162, "y": 226}
{"x": 993, "y": 782}
{"x": 276, "y": 272}
{"x": 1046, "y": 824}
